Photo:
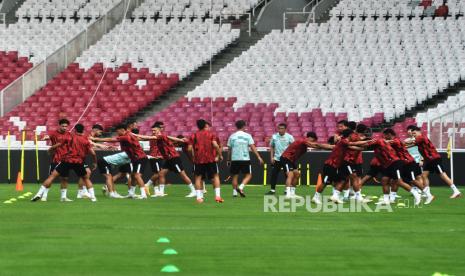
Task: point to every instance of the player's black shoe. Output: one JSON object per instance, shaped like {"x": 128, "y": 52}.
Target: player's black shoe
{"x": 270, "y": 193}
{"x": 36, "y": 198}
{"x": 241, "y": 192}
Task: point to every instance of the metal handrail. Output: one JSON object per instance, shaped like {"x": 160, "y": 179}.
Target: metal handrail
{"x": 258, "y": 4}
{"x": 20, "y": 78}
{"x": 290, "y": 12}
{"x": 267, "y": 2}
{"x": 309, "y": 4}
{"x": 2, "y": 18}
{"x": 314, "y": 4}
{"x": 448, "y": 113}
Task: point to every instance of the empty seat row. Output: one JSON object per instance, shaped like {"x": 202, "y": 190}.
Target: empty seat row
{"x": 372, "y": 66}
{"x": 194, "y": 8}
{"x": 175, "y": 47}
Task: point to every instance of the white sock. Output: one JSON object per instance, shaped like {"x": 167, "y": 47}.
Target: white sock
{"x": 41, "y": 190}
{"x": 288, "y": 191}
{"x": 63, "y": 193}
{"x": 162, "y": 188}
{"x": 336, "y": 193}
{"x": 156, "y": 189}
{"x": 392, "y": 195}
{"x": 234, "y": 192}
{"x": 199, "y": 194}
{"x": 142, "y": 192}
{"x": 454, "y": 188}
{"x": 112, "y": 194}
{"x": 84, "y": 190}
{"x": 45, "y": 192}
{"x": 386, "y": 198}
{"x": 292, "y": 190}
{"x": 150, "y": 182}
{"x": 132, "y": 190}
{"x": 414, "y": 193}
{"x": 427, "y": 191}
{"x": 241, "y": 187}
{"x": 358, "y": 195}
{"x": 91, "y": 192}
{"x": 192, "y": 188}
{"x": 346, "y": 193}
{"x": 317, "y": 195}
{"x": 217, "y": 192}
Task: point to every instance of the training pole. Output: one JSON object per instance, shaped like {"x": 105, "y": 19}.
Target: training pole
{"x": 23, "y": 138}
{"x": 37, "y": 160}
{"x": 9, "y": 157}
{"x": 264, "y": 174}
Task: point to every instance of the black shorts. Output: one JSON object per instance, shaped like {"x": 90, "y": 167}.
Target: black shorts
{"x": 103, "y": 166}
{"x": 63, "y": 169}
{"x": 348, "y": 168}
{"x": 52, "y": 167}
{"x": 207, "y": 170}
{"x": 156, "y": 165}
{"x": 288, "y": 165}
{"x": 138, "y": 166}
{"x": 278, "y": 165}
{"x": 330, "y": 174}
{"x": 174, "y": 165}
{"x": 410, "y": 172}
{"x": 244, "y": 167}
{"x": 375, "y": 170}
{"x": 434, "y": 166}
{"x": 394, "y": 171}
{"x": 126, "y": 168}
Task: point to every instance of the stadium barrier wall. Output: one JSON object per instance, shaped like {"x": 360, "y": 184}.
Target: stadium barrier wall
{"x": 314, "y": 160}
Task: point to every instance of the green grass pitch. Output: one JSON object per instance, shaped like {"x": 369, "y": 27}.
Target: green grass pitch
{"x": 118, "y": 237}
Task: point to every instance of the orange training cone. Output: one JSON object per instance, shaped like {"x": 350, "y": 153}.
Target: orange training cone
{"x": 319, "y": 182}
{"x": 19, "y": 183}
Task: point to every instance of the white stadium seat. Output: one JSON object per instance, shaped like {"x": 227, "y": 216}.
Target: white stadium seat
{"x": 372, "y": 66}
{"x": 175, "y": 47}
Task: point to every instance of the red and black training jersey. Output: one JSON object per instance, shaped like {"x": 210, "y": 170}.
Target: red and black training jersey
{"x": 401, "y": 151}
{"x": 295, "y": 150}
{"x": 64, "y": 139}
{"x": 337, "y": 154}
{"x": 426, "y": 148}
{"x": 154, "y": 151}
{"x": 384, "y": 152}
{"x": 375, "y": 162}
{"x": 204, "y": 151}
{"x": 78, "y": 149}
{"x": 353, "y": 156}
{"x": 166, "y": 147}
{"x": 130, "y": 144}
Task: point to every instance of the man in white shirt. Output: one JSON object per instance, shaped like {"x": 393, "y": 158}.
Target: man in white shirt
{"x": 239, "y": 144}
{"x": 278, "y": 144}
